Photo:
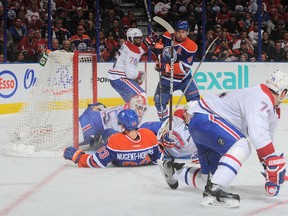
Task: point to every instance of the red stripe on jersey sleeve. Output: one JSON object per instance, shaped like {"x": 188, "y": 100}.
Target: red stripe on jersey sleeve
{"x": 265, "y": 151}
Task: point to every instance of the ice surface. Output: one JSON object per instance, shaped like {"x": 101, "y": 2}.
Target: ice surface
{"x": 54, "y": 186}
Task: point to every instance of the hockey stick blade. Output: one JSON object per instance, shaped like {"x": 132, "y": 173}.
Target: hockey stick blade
{"x": 164, "y": 23}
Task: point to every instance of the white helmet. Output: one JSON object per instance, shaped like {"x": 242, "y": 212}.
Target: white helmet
{"x": 139, "y": 104}
{"x": 132, "y": 33}
{"x": 278, "y": 81}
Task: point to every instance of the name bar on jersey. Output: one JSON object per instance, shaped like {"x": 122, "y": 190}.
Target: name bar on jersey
{"x": 134, "y": 156}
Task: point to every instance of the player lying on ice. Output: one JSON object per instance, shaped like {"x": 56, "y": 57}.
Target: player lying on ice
{"x": 180, "y": 144}
{"x": 219, "y": 126}
{"x": 96, "y": 118}
{"x": 131, "y": 147}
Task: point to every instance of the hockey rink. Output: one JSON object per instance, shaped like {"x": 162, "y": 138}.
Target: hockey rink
{"x": 56, "y": 187}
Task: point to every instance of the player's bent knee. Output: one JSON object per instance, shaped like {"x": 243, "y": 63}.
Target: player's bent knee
{"x": 241, "y": 150}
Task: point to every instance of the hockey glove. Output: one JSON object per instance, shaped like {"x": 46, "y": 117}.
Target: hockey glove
{"x": 71, "y": 153}
{"x": 151, "y": 39}
{"x": 274, "y": 173}
{"x": 141, "y": 77}
{"x": 168, "y": 140}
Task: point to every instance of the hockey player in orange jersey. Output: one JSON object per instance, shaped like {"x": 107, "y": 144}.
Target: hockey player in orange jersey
{"x": 131, "y": 147}
{"x": 184, "y": 51}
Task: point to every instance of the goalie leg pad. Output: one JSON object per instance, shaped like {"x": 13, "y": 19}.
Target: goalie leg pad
{"x": 91, "y": 125}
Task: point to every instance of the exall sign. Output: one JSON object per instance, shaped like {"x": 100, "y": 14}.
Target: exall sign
{"x": 223, "y": 79}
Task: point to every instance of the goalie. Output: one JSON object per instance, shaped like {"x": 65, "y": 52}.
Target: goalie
{"x": 96, "y": 118}
{"x": 219, "y": 126}
{"x": 130, "y": 147}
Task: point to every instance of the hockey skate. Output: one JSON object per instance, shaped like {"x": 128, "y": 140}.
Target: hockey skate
{"x": 168, "y": 169}
{"x": 215, "y": 196}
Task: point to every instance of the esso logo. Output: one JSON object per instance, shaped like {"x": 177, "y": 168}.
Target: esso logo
{"x": 8, "y": 84}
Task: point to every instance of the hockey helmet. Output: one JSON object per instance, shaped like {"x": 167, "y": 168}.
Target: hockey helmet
{"x": 182, "y": 25}
{"x": 132, "y": 33}
{"x": 128, "y": 119}
{"x": 139, "y": 104}
{"x": 277, "y": 81}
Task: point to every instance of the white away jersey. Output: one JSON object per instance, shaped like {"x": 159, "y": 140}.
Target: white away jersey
{"x": 251, "y": 110}
{"x": 125, "y": 65}
{"x": 185, "y": 146}
{"x": 109, "y": 117}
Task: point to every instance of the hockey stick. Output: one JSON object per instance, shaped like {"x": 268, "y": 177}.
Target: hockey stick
{"x": 148, "y": 15}
{"x": 160, "y": 87}
{"x": 165, "y": 24}
{"x": 170, "y": 29}
{"x": 191, "y": 79}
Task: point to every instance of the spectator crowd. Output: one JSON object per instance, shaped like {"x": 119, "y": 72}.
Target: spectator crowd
{"x": 74, "y": 27}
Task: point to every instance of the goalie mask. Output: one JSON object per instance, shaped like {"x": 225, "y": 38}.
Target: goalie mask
{"x": 278, "y": 82}
{"x": 138, "y": 103}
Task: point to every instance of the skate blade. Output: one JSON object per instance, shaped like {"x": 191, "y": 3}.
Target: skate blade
{"x": 227, "y": 202}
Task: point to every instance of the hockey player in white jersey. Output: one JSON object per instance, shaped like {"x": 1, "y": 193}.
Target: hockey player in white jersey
{"x": 180, "y": 144}
{"x": 219, "y": 126}
{"x": 124, "y": 76}
{"x": 97, "y": 118}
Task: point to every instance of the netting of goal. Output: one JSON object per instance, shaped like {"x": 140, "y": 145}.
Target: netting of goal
{"x": 48, "y": 120}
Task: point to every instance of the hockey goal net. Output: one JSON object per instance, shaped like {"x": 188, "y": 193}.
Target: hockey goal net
{"x": 48, "y": 121}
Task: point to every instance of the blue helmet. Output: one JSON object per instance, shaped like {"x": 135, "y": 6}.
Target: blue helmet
{"x": 128, "y": 119}
{"x": 182, "y": 25}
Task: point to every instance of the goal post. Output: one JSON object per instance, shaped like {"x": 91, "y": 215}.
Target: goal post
{"x": 49, "y": 119}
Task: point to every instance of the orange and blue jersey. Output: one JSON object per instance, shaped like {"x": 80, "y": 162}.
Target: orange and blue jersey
{"x": 186, "y": 52}
{"x": 123, "y": 151}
